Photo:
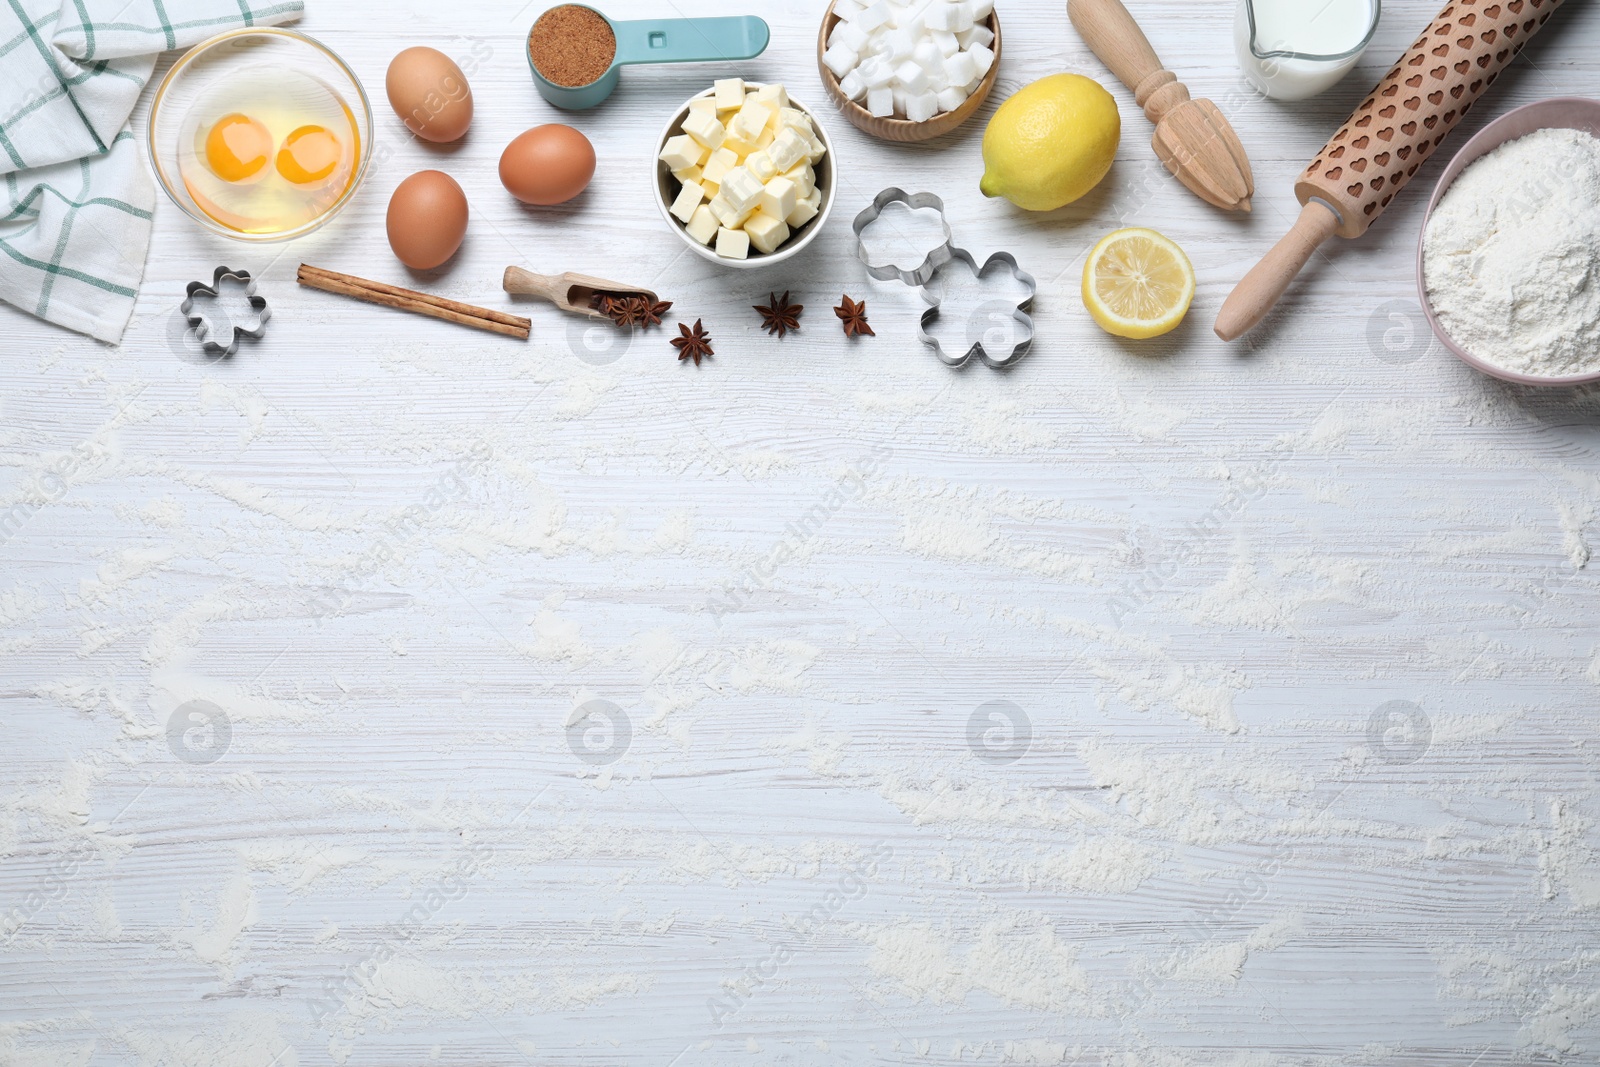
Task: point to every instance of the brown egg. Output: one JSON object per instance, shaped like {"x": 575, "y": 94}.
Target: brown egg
{"x": 547, "y": 165}
{"x": 430, "y": 94}
{"x": 427, "y": 219}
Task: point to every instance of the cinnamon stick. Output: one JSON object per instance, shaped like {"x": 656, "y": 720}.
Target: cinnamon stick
{"x": 392, "y": 296}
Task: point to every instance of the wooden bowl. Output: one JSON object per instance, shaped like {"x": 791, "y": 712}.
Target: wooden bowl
{"x": 904, "y": 130}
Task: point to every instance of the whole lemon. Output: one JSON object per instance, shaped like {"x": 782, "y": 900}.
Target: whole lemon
{"x": 1051, "y": 142}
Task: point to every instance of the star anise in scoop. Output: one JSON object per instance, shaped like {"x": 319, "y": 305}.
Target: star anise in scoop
{"x": 853, "y": 317}
{"x": 650, "y": 314}
{"x": 693, "y": 343}
{"x": 780, "y": 316}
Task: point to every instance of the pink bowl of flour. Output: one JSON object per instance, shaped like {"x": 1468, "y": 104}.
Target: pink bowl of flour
{"x": 1566, "y": 112}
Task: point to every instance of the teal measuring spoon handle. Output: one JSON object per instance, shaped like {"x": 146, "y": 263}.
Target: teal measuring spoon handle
{"x": 690, "y": 40}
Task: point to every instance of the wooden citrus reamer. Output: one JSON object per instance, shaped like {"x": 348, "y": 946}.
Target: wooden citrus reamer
{"x": 1383, "y": 145}
{"x": 1192, "y": 139}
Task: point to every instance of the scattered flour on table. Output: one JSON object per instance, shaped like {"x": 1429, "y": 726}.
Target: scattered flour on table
{"x": 1512, "y": 255}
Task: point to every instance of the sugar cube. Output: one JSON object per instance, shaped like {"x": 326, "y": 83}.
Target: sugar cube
{"x": 959, "y": 69}
{"x": 688, "y": 200}
{"x": 981, "y": 9}
{"x": 805, "y": 211}
{"x": 880, "y": 102}
{"x": 841, "y": 59}
{"x": 788, "y": 149}
{"x": 962, "y": 17}
{"x": 850, "y": 36}
{"x": 951, "y": 98}
{"x": 873, "y": 16}
{"x": 729, "y": 93}
{"x": 682, "y": 152}
{"x": 760, "y": 164}
{"x": 717, "y": 167}
{"x": 982, "y": 58}
{"x": 733, "y": 244}
{"x": 940, "y": 17}
{"x": 899, "y": 44}
{"x": 911, "y": 76}
{"x": 704, "y": 128}
{"x": 702, "y": 225}
{"x": 765, "y": 232}
{"x": 741, "y": 189}
{"x": 876, "y": 72}
{"x": 979, "y": 34}
{"x": 779, "y": 197}
{"x": 852, "y": 85}
{"x": 927, "y": 55}
{"x": 920, "y": 107}
{"x": 946, "y": 43}
{"x": 847, "y": 10}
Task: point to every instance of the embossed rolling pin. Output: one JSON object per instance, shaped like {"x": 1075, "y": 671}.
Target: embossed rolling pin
{"x": 1387, "y": 140}
{"x": 1192, "y": 139}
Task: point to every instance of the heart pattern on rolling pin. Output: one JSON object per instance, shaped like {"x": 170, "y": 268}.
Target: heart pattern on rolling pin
{"x": 1436, "y": 82}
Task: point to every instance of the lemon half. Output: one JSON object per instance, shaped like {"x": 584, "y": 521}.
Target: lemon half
{"x": 1136, "y": 283}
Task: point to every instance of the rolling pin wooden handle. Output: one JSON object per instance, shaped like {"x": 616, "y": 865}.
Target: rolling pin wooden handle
{"x": 1259, "y": 290}
{"x": 1113, "y": 35}
{"x": 527, "y": 283}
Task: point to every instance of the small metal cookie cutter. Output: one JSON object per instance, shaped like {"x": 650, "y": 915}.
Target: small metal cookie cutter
{"x": 920, "y": 277}
{"x": 201, "y": 327}
{"x": 1021, "y": 335}
{"x": 923, "y": 273}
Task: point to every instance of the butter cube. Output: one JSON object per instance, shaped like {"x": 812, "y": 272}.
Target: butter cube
{"x": 793, "y": 116}
{"x": 750, "y": 121}
{"x": 773, "y": 95}
{"x": 689, "y": 198}
{"x": 733, "y": 244}
{"x": 787, "y": 149}
{"x": 728, "y": 93}
{"x": 717, "y": 167}
{"x": 760, "y": 164}
{"x": 766, "y": 232}
{"x": 726, "y": 213}
{"x": 804, "y": 179}
{"x": 741, "y": 189}
{"x": 778, "y": 199}
{"x": 805, "y": 210}
{"x": 816, "y": 150}
{"x": 766, "y": 138}
{"x": 702, "y": 225}
{"x": 711, "y": 189}
{"x": 705, "y": 129}
{"x": 739, "y": 146}
{"x": 682, "y": 152}
{"x": 708, "y": 104}
{"x": 688, "y": 174}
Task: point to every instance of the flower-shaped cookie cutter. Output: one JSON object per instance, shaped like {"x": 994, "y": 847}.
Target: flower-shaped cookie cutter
{"x": 202, "y": 327}
{"x": 923, "y": 274}
{"x": 1018, "y": 323}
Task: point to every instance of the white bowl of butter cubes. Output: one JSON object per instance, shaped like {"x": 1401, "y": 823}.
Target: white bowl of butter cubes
{"x": 744, "y": 174}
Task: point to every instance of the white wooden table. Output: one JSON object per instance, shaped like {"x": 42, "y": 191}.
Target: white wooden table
{"x": 396, "y": 555}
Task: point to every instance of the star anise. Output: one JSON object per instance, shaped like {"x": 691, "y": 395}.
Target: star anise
{"x": 650, "y": 314}
{"x": 781, "y": 316}
{"x": 853, "y": 317}
{"x": 693, "y": 343}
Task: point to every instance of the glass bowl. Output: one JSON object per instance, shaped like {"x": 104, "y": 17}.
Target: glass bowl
{"x": 208, "y": 65}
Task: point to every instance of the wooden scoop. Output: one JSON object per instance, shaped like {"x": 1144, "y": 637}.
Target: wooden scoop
{"x": 1192, "y": 138}
{"x": 569, "y": 291}
{"x": 1391, "y": 135}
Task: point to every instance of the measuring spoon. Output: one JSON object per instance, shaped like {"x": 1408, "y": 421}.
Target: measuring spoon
{"x": 658, "y": 41}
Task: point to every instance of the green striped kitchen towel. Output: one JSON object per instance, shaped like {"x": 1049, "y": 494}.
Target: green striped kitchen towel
{"x": 78, "y": 201}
